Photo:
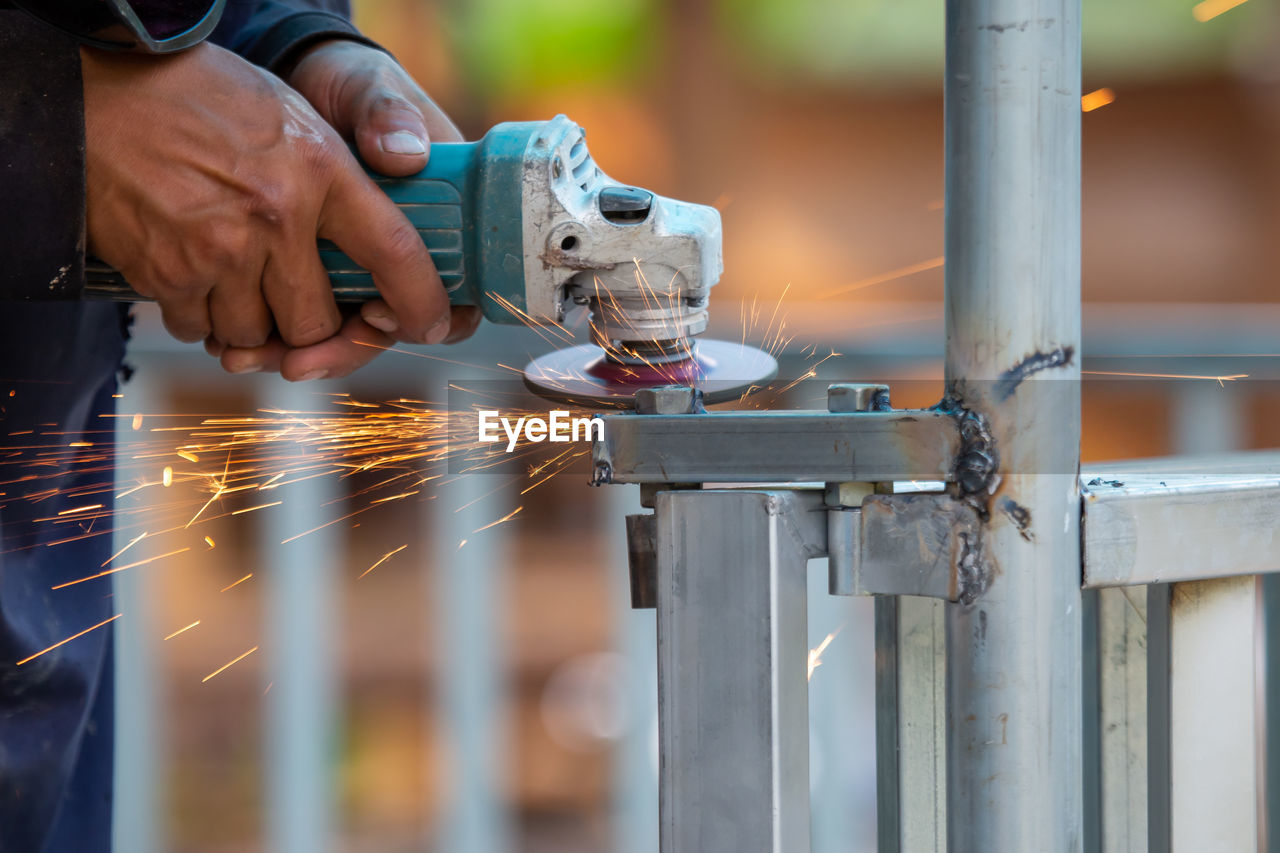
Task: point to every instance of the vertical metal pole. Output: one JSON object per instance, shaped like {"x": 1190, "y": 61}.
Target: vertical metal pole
{"x": 1122, "y": 731}
{"x": 1215, "y": 754}
{"x": 635, "y": 771}
{"x": 842, "y": 746}
{"x": 300, "y": 650}
{"x": 137, "y": 824}
{"x": 467, "y": 604}
{"x": 911, "y": 735}
{"x": 1012, "y": 242}
{"x": 732, "y": 660}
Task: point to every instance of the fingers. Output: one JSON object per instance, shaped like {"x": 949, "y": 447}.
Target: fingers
{"x": 264, "y": 359}
{"x": 377, "y": 236}
{"x": 390, "y": 133}
{"x": 395, "y": 124}
{"x": 463, "y": 323}
{"x": 186, "y": 315}
{"x": 239, "y": 315}
{"x": 297, "y": 289}
{"x": 355, "y": 346}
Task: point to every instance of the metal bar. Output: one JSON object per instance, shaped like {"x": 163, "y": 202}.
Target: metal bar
{"x": 1159, "y": 820}
{"x": 635, "y": 774}
{"x": 841, "y": 721}
{"x": 911, "y": 736}
{"x": 301, "y": 712}
{"x": 140, "y": 734}
{"x": 465, "y": 586}
{"x": 1121, "y": 748}
{"x": 779, "y": 447}
{"x": 1012, "y": 243}
{"x": 1215, "y": 755}
{"x": 732, "y": 660}
{"x": 1157, "y": 523}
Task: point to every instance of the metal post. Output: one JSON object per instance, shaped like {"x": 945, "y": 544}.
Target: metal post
{"x": 911, "y": 736}
{"x": 635, "y": 771}
{"x": 732, "y": 660}
{"x": 1012, "y": 242}
{"x": 301, "y": 706}
{"x": 1215, "y": 755}
{"x": 466, "y": 591}
{"x": 140, "y": 735}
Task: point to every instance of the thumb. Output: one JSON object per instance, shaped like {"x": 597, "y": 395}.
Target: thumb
{"x": 391, "y": 135}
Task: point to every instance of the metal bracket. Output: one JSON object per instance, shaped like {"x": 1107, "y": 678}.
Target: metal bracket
{"x": 915, "y": 544}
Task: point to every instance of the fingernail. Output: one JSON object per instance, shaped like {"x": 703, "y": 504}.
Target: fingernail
{"x": 385, "y": 322}
{"x": 246, "y": 367}
{"x": 315, "y": 374}
{"x": 403, "y": 142}
{"x": 438, "y": 332}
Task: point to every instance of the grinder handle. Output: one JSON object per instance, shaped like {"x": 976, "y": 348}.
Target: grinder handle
{"x": 441, "y": 203}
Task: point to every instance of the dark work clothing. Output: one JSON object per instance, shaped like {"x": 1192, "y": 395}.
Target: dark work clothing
{"x": 271, "y": 33}
{"x": 60, "y": 361}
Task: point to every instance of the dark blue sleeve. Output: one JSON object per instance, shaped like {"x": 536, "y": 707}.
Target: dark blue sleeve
{"x": 272, "y": 33}
{"x": 41, "y": 161}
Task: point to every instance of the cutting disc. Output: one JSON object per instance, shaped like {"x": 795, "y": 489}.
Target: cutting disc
{"x": 584, "y": 376}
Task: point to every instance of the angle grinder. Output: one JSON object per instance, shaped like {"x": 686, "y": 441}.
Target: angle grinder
{"x": 524, "y": 225}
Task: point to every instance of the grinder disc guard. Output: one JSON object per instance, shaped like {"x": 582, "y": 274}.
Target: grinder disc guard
{"x": 585, "y": 376}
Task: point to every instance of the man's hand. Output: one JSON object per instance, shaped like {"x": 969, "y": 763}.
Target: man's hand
{"x": 208, "y": 183}
{"x": 368, "y": 98}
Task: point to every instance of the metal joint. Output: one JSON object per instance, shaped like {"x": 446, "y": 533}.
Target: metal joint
{"x": 915, "y": 544}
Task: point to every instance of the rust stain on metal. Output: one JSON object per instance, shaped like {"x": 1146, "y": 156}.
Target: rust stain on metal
{"x": 974, "y": 569}
{"x": 1034, "y": 363}
{"x": 1020, "y": 516}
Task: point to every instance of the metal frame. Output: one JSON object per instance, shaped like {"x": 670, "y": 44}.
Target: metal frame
{"x": 999, "y": 543}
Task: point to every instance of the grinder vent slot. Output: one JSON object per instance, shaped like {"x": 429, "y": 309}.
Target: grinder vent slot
{"x": 581, "y": 166}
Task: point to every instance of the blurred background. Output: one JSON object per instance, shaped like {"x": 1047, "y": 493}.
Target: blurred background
{"x": 499, "y": 695}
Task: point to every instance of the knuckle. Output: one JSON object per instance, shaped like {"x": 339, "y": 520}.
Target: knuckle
{"x": 387, "y": 99}
{"x": 272, "y": 202}
{"x": 401, "y": 246}
{"x": 226, "y": 247}
{"x": 308, "y": 329}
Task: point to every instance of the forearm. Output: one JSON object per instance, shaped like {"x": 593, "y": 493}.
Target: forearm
{"x": 42, "y": 172}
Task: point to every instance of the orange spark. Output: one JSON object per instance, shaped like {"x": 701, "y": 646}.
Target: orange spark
{"x": 383, "y": 559}
{"x": 506, "y": 517}
{"x": 80, "y": 509}
{"x": 228, "y": 665}
{"x": 167, "y": 477}
{"x": 1210, "y": 9}
{"x": 134, "y": 541}
{"x": 183, "y": 630}
{"x": 137, "y": 421}
{"x": 103, "y": 574}
{"x": 237, "y": 583}
{"x": 1096, "y": 99}
{"x": 188, "y": 455}
{"x": 67, "y": 640}
{"x": 209, "y": 541}
{"x": 253, "y": 508}
{"x": 1219, "y": 379}
{"x": 901, "y": 272}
